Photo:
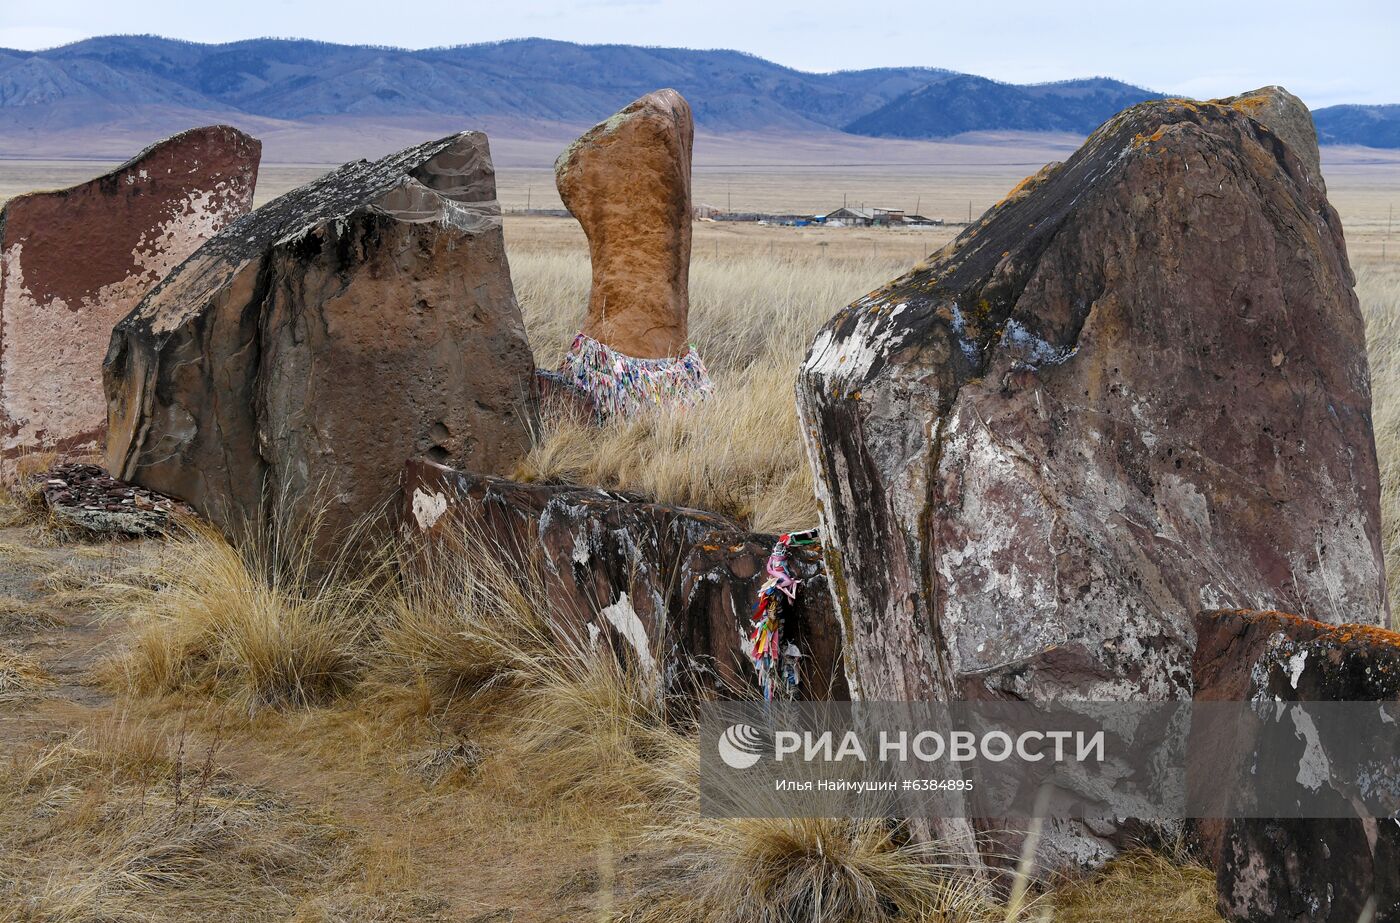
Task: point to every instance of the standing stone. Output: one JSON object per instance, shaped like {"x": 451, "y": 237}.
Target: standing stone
{"x": 298, "y": 358}
{"x": 1320, "y": 869}
{"x": 76, "y": 261}
{"x": 627, "y": 181}
{"x": 1136, "y": 389}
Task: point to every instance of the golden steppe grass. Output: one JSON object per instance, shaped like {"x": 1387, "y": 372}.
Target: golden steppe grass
{"x": 253, "y": 766}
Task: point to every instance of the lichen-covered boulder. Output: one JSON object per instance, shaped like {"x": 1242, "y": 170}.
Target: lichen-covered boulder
{"x": 1286, "y": 116}
{"x": 1136, "y": 389}
{"x": 672, "y": 588}
{"x": 627, "y": 181}
{"x": 295, "y": 360}
{"x": 1323, "y": 869}
{"x": 76, "y": 261}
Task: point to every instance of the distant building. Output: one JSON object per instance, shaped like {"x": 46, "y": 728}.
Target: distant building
{"x": 845, "y": 217}
{"x": 848, "y": 217}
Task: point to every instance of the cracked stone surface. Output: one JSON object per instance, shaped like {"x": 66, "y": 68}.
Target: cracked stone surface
{"x": 1323, "y": 869}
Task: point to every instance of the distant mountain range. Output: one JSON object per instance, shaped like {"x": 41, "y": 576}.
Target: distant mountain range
{"x": 959, "y": 103}
{"x": 117, "y": 82}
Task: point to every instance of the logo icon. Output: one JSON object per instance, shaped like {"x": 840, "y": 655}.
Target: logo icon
{"x": 741, "y": 746}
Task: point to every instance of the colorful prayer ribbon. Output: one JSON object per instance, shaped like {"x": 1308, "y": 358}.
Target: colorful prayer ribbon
{"x": 774, "y": 661}
{"x": 621, "y": 385}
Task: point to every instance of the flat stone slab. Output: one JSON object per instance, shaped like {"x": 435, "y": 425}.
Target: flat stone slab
{"x": 76, "y": 261}
{"x": 673, "y": 588}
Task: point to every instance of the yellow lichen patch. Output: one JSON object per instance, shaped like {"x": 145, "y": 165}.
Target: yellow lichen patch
{"x": 1021, "y": 189}
{"x": 1140, "y": 139}
{"x": 1246, "y": 104}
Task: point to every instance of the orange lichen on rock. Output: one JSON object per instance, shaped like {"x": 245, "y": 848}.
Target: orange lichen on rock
{"x": 1343, "y": 634}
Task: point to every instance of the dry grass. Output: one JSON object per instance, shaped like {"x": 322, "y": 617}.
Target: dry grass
{"x": 563, "y": 720}
{"x": 20, "y": 504}
{"x": 511, "y": 716}
{"x": 752, "y": 319}
{"x": 248, "y": 623}
{"x": 792, "y": 870}
{"x": 115, "y": 823}
{"x": 20, "y": 673}
{"x": 1140, "y": 886}
{"x": 475, "y": 634}
{"x": 1378, "y": 286}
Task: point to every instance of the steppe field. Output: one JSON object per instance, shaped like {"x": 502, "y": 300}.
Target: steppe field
{"x": 190, "y": 730}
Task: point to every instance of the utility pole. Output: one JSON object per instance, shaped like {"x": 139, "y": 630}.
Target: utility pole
{"x": 969, "y": 211}
{"x": 843, "y": 200}
{"x": 730, "y": 200}
{"x": 917, "y": 201}
{"x": 528, "y": 191}
{"x": 1389, "y": 219}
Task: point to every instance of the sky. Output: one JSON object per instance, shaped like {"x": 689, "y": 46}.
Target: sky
{"x": 1326, "y": 52}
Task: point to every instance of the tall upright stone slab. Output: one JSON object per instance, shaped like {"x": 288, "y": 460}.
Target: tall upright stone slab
{"x": 294, "y": 362}
{"x": 627, "y": 181}
{"x": 76, "y": 261}
{"x": 1136, "y": 389}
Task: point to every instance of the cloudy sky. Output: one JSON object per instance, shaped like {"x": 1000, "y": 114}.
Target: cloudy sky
{"x": 1327, "y": 51}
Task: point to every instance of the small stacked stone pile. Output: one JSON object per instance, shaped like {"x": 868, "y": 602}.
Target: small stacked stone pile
{"x": 87, "y": 497}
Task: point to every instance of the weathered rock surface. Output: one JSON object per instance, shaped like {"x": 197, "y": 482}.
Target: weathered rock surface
{"x": 86, "y": 498}
{"x": 627, "y": 181}
{"x": 1286, "y": 116}
{"x": 671, "y": 587}
{"x": 76, "y": 261}
{"x": 1313, "y": 869}
{"x": 1136, "y": 389}
{"x": 300, "y": 356}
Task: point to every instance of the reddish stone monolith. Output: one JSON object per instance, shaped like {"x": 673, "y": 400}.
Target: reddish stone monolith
{"x": 76, "y": 261}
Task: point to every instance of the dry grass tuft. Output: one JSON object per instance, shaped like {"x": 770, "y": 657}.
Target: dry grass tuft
{"x": 22, "y": 504}
{"x": 1140, "y": 886}
{"x": 459, "y": 625}
{"x": 20, "y": 673}
{"x": 121, "y": 749}
{"x": 475, "y": 635}
{"x": 739, "y": 453}
{"x": 792, "y": 870}
{"x": 248, "y": 623}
